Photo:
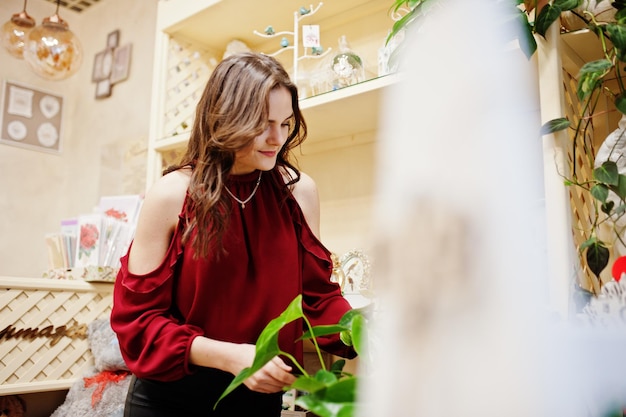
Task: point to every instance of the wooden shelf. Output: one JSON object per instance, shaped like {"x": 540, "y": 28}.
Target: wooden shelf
{"x": 214, "y": 23}
{"x": 350, "y": 110}
{"x": 330, "y": 115}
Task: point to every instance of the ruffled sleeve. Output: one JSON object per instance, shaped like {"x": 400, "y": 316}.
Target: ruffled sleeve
{"x": 154, "y": 343}
{"x": 323, "y": 302}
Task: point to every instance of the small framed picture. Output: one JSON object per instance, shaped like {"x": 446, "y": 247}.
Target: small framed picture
{"x": 103, "y": 89}
{"x": 102, "y": 65}
{"x": 121, "y": 63}
{"x": 356, "y": 270}
{"x": 113, "y": 39}
{"x": 30, "y": 117}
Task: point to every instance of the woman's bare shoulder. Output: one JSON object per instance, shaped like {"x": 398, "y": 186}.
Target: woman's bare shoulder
{"x": 168, "y": 193}
{"x": 305, "y": 193}
{"x": 157, "y": 220}
{"x": 304, "y": 183}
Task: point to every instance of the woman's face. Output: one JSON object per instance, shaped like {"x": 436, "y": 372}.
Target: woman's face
{"x": 261, "y": 154}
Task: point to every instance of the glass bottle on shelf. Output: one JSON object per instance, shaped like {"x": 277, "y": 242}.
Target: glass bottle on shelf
{"x": 347, "y": 67}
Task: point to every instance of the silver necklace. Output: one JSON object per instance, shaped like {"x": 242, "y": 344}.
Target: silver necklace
{"x": 243, "y": 202}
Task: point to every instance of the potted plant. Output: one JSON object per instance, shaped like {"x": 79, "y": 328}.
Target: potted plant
{"x": 329, "y": 392}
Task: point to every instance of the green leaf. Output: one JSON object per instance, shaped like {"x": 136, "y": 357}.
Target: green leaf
{"x": 620, "y": 103}
{"x": 587, "y": 83}
{"x": 345, "y": 324}
{"x": 359, "y": 333}
{"x": 325, "y": 409}
{"x": 600, "y": 192}
{"x": 607, "y": 173}
{"x": 267, "y": 344}
{"x": 617, "y": 34}
{"x": 527, "y": 41}
{"x": 308, "y": 384}
{"x": 401, "y": 24}
{"x": 327, "y": 377}
{"x": 620, "y": 16}
{"x": 555, "y": 125}
{"x": 620, "y": 190}
{"x": 343, "y": 390}
{"x": 607, "y": 206}
{"x": 590, "y": 76}
{"x": 548, "y": 15}
{"x": 337, "y": 400}
{"x": 323, "y": 330}
{"x": 349, "y": 316}
{"x": 346, "y": 337}
{"x": 587, "y": 243}
{"x": 337, "y": 366}
{"x": 597, "y": 257}
{"x": 566, "y": 4}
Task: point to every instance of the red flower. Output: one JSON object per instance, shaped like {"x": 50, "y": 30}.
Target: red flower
{"x": 88, "y": 235}
{"x": 116, "y": 214}
{"x": 619, "y": 268}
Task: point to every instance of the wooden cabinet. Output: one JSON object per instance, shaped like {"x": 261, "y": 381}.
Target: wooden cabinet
{"x": 43, "y": 337}
{"x": 339, "y": 153}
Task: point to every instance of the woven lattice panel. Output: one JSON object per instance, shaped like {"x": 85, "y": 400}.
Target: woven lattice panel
{"x": 48, "y": 356}
{"x": 581, "y": 161}
{"x": 188, "y": 69}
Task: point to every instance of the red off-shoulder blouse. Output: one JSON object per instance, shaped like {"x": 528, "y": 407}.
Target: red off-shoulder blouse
{"x": 271, "y": 257}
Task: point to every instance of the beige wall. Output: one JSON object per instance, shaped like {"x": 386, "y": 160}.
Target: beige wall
{"x": 103, "y": 140}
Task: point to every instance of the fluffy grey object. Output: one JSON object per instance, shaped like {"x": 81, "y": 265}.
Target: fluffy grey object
{"x": 107, "y": 357}
{"x": 78, "y": 400}
{"x": 105, "y": 346}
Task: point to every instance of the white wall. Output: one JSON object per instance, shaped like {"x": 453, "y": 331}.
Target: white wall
{"x": 103, "y": 140}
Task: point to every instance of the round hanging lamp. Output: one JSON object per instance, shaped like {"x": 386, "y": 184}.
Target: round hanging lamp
{"x": 52, "y": 51}
{"x": 15, "y": 31}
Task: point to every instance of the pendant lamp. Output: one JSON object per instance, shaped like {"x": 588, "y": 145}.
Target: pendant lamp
{"x": 15, "y": 31}
{"x": 52, "y": 51}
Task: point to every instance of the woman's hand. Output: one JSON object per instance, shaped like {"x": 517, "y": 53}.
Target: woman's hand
{"x": 235, "y": 357}
{"x": 273, "y": 377}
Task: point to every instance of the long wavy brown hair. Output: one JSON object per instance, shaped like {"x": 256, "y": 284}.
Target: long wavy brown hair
{"x": 233, "y": 110}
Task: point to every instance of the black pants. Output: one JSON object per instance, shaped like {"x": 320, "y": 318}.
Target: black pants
{"x": 195, "y": 396}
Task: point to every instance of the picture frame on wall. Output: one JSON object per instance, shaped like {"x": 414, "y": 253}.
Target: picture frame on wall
{"x": 31, "y": 117}
{"x": 103, "y": 89}
{"x": 113, "y": 39}
{"x": 102, "y": 65}
{"x": 121, "y": 63}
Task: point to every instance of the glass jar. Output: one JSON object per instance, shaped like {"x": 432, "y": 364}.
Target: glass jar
{"x": 347, "y": 67}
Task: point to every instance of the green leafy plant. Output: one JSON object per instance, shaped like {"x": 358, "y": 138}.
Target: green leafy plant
{"x": 591, "y": 87}
{"x": 329, "y": 392}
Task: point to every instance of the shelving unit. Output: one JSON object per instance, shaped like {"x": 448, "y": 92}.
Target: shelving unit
{"x": 191, "y": 38}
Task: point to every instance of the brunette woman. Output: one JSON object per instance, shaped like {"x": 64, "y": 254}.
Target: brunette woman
{"x": 224, "y": 242}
